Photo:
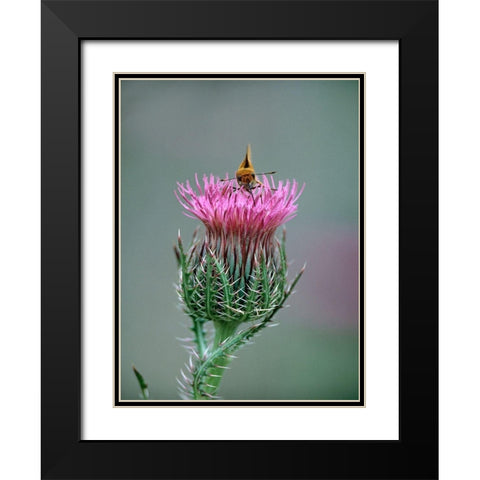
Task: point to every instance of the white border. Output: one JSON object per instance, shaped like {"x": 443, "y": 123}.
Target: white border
{"x": 379, "y": 420}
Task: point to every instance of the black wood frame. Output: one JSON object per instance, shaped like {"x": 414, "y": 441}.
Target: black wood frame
{"x": 64, "y": 25}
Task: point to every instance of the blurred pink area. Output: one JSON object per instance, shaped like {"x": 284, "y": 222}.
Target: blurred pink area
{"x": 327, "y": 294}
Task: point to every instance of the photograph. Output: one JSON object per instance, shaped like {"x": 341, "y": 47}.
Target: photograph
{"x": 239, "y": 207}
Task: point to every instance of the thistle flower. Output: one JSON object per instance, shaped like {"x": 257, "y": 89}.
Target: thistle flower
{"x": 236, "y": 272}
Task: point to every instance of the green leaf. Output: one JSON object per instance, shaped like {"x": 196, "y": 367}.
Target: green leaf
{"x": 141, "y": 382}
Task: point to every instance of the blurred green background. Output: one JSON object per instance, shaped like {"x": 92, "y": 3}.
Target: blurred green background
{"x": 303, "y": 129}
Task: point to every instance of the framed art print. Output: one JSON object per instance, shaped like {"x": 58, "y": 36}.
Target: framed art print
{"x": 208, "y": 174}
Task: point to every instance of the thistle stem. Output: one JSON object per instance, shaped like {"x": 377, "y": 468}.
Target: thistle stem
{"x": 223, "y": 330}
{"x": 214, "y": 372}
{"x": 214, "y": 375}
{"x": 199, "y": 335}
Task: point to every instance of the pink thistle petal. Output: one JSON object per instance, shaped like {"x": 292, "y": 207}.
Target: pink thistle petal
{"x": 228, "y": 211}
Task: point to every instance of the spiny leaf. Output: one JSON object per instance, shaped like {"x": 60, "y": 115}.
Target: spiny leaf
{"x": 227, "y": 290}
{"x": 265, "y": 284}
{"x": 208, "y": 287}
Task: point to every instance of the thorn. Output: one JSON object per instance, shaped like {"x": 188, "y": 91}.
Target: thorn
{"x": 185, "y": 378}
{"x": 184, "y": 339}
{"x": 182, "y": 388}
{"x": 222, "y": 366}
{"x": 193, "y": 352}
{"x": 183, "y": 393}
{"x": 208, "y": 385}
{"x": 209, "y": 396}
{"x": 214, "y": 375}
{"x": 179, "y": 382}
{"x": 229, "y": 355}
